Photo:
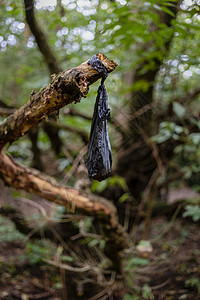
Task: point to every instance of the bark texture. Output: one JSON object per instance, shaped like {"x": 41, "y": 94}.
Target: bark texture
{"x": 33, "y": 181}
{"x": 44, "y": 186}
{"x": 66, "y": 87}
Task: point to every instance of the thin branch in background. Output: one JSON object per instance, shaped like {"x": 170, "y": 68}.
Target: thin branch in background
{"x": 40, "y": 38}
{"x": 62, "y": 10}
{"x": 148, "y": 189}
{"x": 68, "y": 267}
{"x": 83, "y": 135}
{"x": 36, "y": 205}
{"x": 155, "y": 151}
{"x": 106, "y": 292}
{"x": 82, "y": 233}
{"x": 30, "y": 234}
{"x": 76, "y": 113}
{"x": 76, "y": 162}
{"x": 64, "y": 244}
{"x": 171, "y": 178}
{"x": 69, "y": 218}
{"x": 127, "y": 216}
{"x": 189, "y": 96}
{"x": 142, "y": 111}
{"x": 5, "y": 112}
{"x": 147, "y": 196}
{"x": 63, "y": 280}
{"x": 68, "y": 155}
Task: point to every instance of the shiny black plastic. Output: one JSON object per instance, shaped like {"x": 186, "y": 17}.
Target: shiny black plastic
{"x": 99, "y": 156}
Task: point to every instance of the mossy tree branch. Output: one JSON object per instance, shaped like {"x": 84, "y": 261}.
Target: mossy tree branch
{"x": 65, "y": 88}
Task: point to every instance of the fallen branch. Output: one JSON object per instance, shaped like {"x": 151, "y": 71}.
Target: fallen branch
{"x": 33, "y": 181}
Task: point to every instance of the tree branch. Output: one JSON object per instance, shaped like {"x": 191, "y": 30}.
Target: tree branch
{"x": 33, "y": 181}
{"x": 83, "y": 134}
{"x": 64, "y": 88}
{"x": 40, "y": 38}
{"x": 189, "y": 96}
{"x": 5, "y": 112}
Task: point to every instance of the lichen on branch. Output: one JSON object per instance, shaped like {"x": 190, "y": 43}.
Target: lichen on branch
{"x": 65, "y": 87}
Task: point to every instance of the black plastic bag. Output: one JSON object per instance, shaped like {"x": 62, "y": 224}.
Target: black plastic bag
{"x": 99, "y": 156}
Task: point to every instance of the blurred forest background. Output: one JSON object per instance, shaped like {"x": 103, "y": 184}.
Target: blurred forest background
{"x": 49, "y": 252}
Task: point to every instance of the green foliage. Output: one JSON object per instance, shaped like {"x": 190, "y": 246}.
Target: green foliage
{"x": 179, "y": 109}
{"x": 192, "y": 211}
{"x": 36, "y": 252}
{"x": 131, "y": 297}
{"x": 193, "y": 283}
{"x": 125, "y": 197}
{"x": 136, "y": 262}
{"x": 96, "y": 242}
{"x": 147, "y": 292}
{"x": 111, "y": 181}
{"x": 170, "y": 130}
{"x": 21, "y": 151}
{"x": 8, "y": 233}
{"x": 87, "y": 224}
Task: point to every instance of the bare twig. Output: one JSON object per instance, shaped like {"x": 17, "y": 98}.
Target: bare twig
{"x": 75, "y": 163}
{"x": 81, "y": 133}
{"x": 75, "y": 112}
{"x": 36, "y": 205}
{"x": 82, "y": 233}
{"x": 68, "y": 267}
{"x": 5, "y": 112}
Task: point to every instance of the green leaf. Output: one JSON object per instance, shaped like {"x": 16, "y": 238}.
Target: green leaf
{"x": 147, "y": 292}
{"x": 179, "y": 109}
{"x": 136, "y": 262}
{"x": 125, "y": 197}
{"x": 141, "y": 85}
{"x": 195, "y": 137}
{"x": 167, "y": 10}
{"x": 93, "y": 243}
{"x": 99, "y": 186}
{"x": 67, "y": 258}
{"x": 118, "y": 180}
{"x": 192, "y": 211}
{"x": 130, "y": 297}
